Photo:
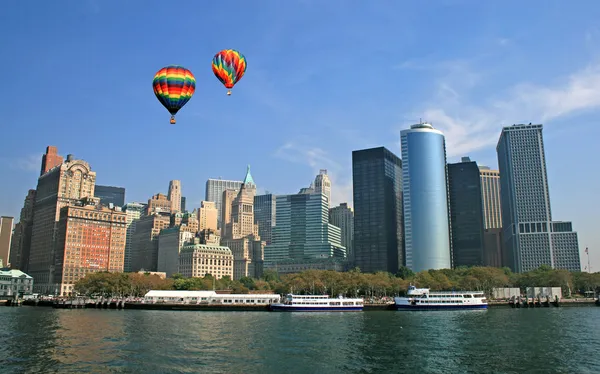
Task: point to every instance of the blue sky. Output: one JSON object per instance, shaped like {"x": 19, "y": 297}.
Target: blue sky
{"x": 323, "y": 79}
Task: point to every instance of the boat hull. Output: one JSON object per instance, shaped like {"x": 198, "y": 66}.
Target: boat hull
{"x": 294, "y": 308}
{"x": 442, "y": 307}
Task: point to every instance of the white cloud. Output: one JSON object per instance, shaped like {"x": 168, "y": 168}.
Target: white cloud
{"x": 317, "y": 158}
{"x": 468, "y": 127}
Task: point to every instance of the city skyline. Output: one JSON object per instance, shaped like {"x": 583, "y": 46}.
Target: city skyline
{"x": 462, "y": 91}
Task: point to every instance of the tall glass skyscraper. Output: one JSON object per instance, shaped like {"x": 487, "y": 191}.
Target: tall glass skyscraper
{"x": 530, "y": 236}
{"x": 264, "y": 216}
{"x": 302, "y": 230}
{"x": 425, "y": 191}
{"x": 466, "y": 218}
{"x": 377, "y": 185}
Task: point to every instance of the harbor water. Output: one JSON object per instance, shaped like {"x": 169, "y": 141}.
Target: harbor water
{"x": 499, "y": 340}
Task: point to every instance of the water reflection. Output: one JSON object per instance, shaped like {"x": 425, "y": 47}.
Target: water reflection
{"x": 101, "y": 341}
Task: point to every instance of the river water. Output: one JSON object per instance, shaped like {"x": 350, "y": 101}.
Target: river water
{"x": 499, "y": 340}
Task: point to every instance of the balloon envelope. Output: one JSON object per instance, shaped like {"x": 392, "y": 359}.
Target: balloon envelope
{"x": 229, "y": 67}
{"x": 174, "y": 86}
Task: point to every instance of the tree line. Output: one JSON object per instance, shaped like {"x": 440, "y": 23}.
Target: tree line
{"x": 351, "y": 283}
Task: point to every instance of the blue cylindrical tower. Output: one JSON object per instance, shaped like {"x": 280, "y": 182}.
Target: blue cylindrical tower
{"x": 425, "y": 193}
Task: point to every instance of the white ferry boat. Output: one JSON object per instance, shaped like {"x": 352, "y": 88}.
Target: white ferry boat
{"x": 422, "y": 299}
{"x": 317, "y": 303}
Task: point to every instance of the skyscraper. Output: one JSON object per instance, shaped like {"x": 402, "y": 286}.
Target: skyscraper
{"x": 110, "y": 195}
{"x": 6, "y": 232}
{"x": 322, "y": 185}
{"x": 89, "y": 238}
{"x": 265, "y": 216}
{"x": 21, "y": 241}
{"x": 530, "y": 236}
{"x": 342, "y": 216}
{"x": 59, "y": 187}
{"x": 134, "y": 212}
{"x": 241, "y": 232}
{"x": 50, "y": 160}
{"x": 302, "y": 230}
{"x": 214, "y": 193}
{"x": 207, "y": 216}
{"x": 466, "y": 217}
{"x": 425, "y": 191}
{"x": 174, "y": 195}
{"x": 378, "y": 225}
{"x": 493, "y": 254}
{"x": 490, "y": 196}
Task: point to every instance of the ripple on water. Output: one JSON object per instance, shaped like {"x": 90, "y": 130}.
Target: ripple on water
{"x": 559, "y": 340}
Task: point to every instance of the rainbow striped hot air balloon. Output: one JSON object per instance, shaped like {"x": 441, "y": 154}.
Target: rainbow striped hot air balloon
{"x": 229, "y": 67}
{"x": 174, "y": 86}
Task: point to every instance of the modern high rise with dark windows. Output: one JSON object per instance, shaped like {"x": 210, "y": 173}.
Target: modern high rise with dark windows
{"x": 425, "y": 191}
{"x": 110, "y": 195}
{"x": 466, "y": 218}
{"x": 530, "y": 236}
{"x": 303, "y": 232}
{"x": 378, "y": 234}
{"x": 264, "y": 215}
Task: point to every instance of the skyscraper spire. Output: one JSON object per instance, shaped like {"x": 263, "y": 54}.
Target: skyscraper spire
{"x": 248, "y": 179}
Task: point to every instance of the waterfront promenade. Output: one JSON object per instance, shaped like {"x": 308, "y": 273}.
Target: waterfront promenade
{"x": 139, "y": 304}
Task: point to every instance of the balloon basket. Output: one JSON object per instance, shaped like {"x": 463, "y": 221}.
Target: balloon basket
{"x": 172, "y": 120}
{"x": 228, "y": 92}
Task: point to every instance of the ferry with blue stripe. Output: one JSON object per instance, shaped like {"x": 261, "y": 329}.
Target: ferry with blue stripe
{"x": 317, "y": 303}
{"x": 422, "y": 299}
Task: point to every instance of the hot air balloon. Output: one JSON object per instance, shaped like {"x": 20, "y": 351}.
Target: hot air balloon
{"x": 229, "y": 67}
{"x": 174, "y": 86}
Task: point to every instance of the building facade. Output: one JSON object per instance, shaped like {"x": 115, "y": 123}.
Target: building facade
{"x": 322, "y": 185}
{"x": 264, "y": 216}
{"x": 425, "y": 192}
{"x": 174, "y": 196}
{"x": 492, "y": 217}
{"x": 134, "y": 211}
{"x": 21, "y": 241}
{"x": 50, "y": 160}
{"x": 6, "y": 234}
{"x": 198, "y": 260}
{"x": 303, "y": 231}
{"x": 531, "y": 238}
{"x": 59, "y": 187}
{"x": 14, "y": 284}
{"x": 158, "y": 203}
{"x": 214, "y": 193}
{"x": 342, "y": 216}
{"x": 170, "y": 242}
{"x": 90, "y": 238}
{"x": 110, "y": 195}
{"x": 240, "y": 233}
{"x": 144, "y": 242}
{"x": 378, "y": 214}
{"x": 490, "y": 197}
{"x": 208, "y": 216}
{"x": 466, "y": 218}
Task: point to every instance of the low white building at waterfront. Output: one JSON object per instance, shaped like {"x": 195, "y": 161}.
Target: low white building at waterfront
{"x": 14, "y": 282}
{"x": 543, "y": 292}
{"x": 506, "y": 292}
{"x": 208, "y": 297}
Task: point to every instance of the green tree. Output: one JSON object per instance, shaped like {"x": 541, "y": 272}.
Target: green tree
{"x": 405, "y": 273}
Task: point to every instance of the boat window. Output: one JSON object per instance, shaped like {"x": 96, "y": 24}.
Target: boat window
{"x": 467, "y": 296}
